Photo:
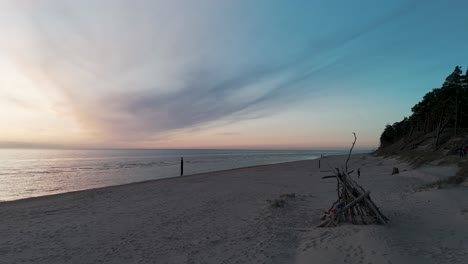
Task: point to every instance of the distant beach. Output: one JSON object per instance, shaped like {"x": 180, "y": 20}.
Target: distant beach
{"x": 28, "y": 173}
{"x": 228, "y": 217}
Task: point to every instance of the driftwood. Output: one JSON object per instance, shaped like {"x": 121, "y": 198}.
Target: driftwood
{"x": 363, "y": 196}
{"x": 354, "y": 203}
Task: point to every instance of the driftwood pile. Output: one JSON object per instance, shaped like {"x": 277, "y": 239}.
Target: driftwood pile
{"x": 354, "y": 203}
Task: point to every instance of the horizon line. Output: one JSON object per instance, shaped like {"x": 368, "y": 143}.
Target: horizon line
{"x": 242, "y": 148}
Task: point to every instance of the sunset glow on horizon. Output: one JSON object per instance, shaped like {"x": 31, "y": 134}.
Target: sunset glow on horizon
{"x": 219, "y": 74}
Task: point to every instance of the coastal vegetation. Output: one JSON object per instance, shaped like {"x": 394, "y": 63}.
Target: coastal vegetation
{"x": 444, "y": 108}
{"x": 437, "y": 130}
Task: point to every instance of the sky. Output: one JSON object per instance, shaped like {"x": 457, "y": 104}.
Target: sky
{"x": 299, "y": 74}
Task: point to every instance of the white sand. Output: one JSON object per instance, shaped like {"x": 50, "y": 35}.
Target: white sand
{"x": 224, "y": 217}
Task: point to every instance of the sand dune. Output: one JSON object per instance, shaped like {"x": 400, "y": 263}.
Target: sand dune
{"x": 224, "y": 217}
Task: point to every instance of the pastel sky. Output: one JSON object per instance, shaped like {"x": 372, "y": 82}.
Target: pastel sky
{"x": 219, "y": 74}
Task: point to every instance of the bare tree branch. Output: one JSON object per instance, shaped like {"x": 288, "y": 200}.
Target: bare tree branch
{"x": 349, "y": 155}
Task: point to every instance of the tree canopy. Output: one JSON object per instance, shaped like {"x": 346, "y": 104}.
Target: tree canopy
{"x": 439, "y": 109}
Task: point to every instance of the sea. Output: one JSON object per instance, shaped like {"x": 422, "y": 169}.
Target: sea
{"x": 26, "y": 173}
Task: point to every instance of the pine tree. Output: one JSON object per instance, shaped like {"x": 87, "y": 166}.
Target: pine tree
{"x": 451, "y": 90}
{"x": 465, "y": 80}
{"x": 464, "y": 100}
{"x": 388, "y": 136}
{"x": 441, "y": 108}
{"x": 454, "y": 79}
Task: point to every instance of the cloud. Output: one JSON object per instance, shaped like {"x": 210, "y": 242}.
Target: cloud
{"x": 229, "y": 134}
{"x": 142, "y": 70}
{"x": 9, "y": 99}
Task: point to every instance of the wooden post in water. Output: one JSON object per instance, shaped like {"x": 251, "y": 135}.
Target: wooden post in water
{"x": 182, "y": 166}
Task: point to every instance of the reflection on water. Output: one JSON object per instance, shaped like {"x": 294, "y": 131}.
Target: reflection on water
{"x": 28, "y": 173}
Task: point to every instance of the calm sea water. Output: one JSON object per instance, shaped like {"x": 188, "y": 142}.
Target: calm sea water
{"x": 35, "y": 172}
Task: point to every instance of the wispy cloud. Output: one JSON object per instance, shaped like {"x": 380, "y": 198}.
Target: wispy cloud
{"x": 9, "y": 99}
{"x": 138, "y": 70}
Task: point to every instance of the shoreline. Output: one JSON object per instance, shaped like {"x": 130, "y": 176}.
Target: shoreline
{"x": 165, "y": 178}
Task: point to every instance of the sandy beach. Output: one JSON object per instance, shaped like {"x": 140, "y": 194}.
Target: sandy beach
{"x": 225, "y": 217}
